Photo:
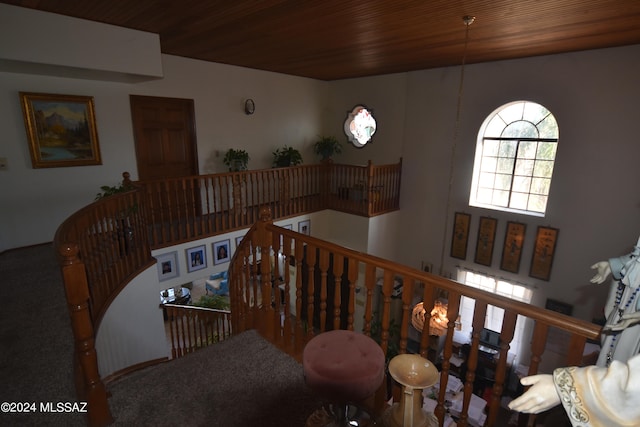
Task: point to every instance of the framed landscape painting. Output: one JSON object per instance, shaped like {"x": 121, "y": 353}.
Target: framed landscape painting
{"x": 61, "y": 130}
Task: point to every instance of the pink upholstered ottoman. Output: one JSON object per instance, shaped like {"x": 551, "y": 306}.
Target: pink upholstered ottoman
{"x": 343, "y": 366}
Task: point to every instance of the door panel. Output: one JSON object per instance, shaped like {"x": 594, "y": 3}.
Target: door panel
{"x": 164, "y": 133}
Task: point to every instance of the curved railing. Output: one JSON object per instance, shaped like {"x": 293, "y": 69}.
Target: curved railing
{"x": 103, "y": 246}
{"x": 106, "y": 244}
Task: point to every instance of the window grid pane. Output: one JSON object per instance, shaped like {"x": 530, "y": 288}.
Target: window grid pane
{"x": 515, "y": 169}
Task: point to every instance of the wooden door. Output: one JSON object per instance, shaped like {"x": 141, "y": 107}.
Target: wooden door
{"x": 164, "y": 132}
{"x": 165, "y": 141}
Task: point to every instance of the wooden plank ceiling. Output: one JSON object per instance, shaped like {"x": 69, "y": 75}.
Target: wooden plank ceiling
{"x": 337, "y": 39}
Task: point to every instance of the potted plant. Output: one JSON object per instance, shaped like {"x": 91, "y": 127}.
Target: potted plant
{"x": 286, "y": 156}
{"x": 327, "y": 146}
{"x": 111, "y": 190}
{"x": 217, "y": 302}
{"x": 236, "y": 160}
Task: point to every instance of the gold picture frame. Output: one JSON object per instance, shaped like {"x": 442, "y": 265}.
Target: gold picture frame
{"x": 61, "y": 130}
{"x": 512, "y": 248}
{"x": 460, "y": 237}
{"x": 543, "y": 252}
{"x": 486, "y": 240}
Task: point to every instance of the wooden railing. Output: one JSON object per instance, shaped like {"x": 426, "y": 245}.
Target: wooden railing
{"x": 189, "y": 208}
{"x": 106, "y": 244}
{"x": 304, "y": 298}
{"x": 192, "y": 328}
{"x": 103, "y": 246}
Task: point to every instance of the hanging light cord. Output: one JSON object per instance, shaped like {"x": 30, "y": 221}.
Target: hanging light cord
{"x": 468, "y": 20}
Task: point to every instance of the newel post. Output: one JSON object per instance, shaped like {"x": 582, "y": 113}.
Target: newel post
{"x": 88, "y": 382}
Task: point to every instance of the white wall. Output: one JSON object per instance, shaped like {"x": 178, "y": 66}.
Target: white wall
{"x": 33, "y": 202}
{"x": 124, "y": 340}
{"x": 593, "y": 96}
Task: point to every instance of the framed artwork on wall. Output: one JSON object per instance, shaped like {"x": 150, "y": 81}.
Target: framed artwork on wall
{"x": 61, "y": 130}
{"x": 513, "y": 244}
{"x": 221, "y": 252}
{"x": 460, "y": 237}
{"x": 196, "y": 258}
{"x": 543, "y": 252}
{"x": 167, "y": 266}
{"x": 304, "y": 227}
{"x": 559, "y": 306}
{"x": 486, "y": 240}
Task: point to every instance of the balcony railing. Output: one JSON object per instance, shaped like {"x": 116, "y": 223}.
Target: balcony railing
{"x": 287, "y": 285}
{"x": 307, "y": 286}
{"x": 105, "y": 245}
{"x": 184, "y": 209}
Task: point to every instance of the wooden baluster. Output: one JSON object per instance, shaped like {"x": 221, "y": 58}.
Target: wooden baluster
{"x": 452, "y": 314}
{"x": 171, "y": 319}
{"x": 299, "y": 338}
{"x": 191, "y": 330}
{"x": 338, "y": 268}
{"x": 207, "y": 214}
{"x": 237, "y": 199}
{"x": 88, "y": 382}
{"x": 324, "y": 267}
{"x": 353, "y": 278}
{"x": 370, "y": 283}
{"x": 576, "y": 349}
{"x": 479, "y": 316}
{"x": 428, "y": 298}
{"x": 407, "y": 295}
{"x": 311, "y": 263}
{"x": 283, "y": 294}
{"x": 385, "y": 319}
{"x": 506, "y": 335}
{"x": 538, "y": 344}
{"x": 370, "y": 188}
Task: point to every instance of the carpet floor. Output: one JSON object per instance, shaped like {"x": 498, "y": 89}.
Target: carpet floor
{"x": 243, "y": 381}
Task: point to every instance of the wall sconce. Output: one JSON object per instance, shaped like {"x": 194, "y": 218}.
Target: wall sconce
{"x": 438, "y": 321}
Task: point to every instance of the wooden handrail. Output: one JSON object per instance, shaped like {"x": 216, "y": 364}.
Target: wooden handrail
{"x": 288, "y": 310}
{"x": 290, "y": 299}
{"x": 111, "y": 239}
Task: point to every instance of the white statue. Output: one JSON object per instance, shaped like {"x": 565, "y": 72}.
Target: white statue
{"x": 607, "y": 394}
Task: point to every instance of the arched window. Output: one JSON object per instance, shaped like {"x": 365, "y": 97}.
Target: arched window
{"x": 515, "y": 155}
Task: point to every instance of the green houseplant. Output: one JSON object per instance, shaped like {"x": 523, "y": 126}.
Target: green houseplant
{"x": 111, "y": 190}
{"x": 236, "y": 160}
{"x": 286, "y": 156}
{"x": 217, "y": 302}
{"x": 327, "y": 146}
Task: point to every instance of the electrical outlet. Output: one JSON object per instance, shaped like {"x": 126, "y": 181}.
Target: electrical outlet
{"x": 4, "y": 164}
